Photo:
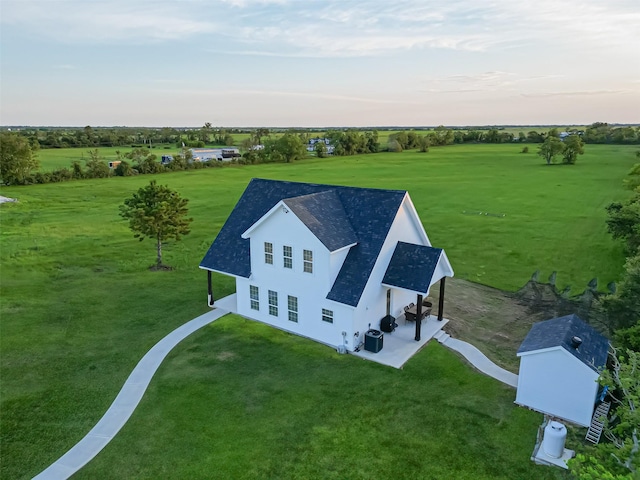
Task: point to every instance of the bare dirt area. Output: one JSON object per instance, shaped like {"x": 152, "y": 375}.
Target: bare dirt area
{"x": 494, "y": 321}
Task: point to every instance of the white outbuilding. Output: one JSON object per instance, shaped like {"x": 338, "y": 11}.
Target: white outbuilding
{"x": 560, "y": 360}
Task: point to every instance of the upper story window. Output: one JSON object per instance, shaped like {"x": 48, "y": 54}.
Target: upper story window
{"x": 327, "y": 315}
{"x": 307, "y": 261}
{"x": 268, "y": 253}
{"x": 254, "y": 296}
{"x": 287, "y": 255}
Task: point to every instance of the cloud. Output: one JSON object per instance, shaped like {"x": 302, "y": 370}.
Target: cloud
{"x": 585, "y": 93}
{"x": 104, "y": 21}
{"x": 336, "y": 28}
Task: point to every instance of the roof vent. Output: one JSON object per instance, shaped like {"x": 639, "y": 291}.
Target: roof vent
{"x": 576, "y": 341}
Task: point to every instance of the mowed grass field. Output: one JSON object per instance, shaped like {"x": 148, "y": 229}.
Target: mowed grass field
{"x": 79, "y": 308}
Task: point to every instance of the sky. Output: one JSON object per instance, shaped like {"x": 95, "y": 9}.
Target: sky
{"x": 311, "y": 63}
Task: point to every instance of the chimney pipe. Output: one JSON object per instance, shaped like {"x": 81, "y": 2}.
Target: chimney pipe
{"x": 576, "y": 341}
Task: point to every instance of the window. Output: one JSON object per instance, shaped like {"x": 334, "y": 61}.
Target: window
{"x": 254, "y": 295}
{"x": 292, "y": 305}
{"x": 307, "y": 258}
{"x": 287, "y": 254}
{"x": 327, "y": 315}
{"x": 268, "y": 253}
{"x": 273, "y": 303}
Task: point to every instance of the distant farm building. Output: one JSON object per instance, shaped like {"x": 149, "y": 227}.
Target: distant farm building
{"x": 114, "y": 164}
{"x": 311, "y": 146}
{"x": 225, "y": 154}
{"x": 166, "y": 159}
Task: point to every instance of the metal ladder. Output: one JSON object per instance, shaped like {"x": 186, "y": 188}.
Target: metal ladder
{"x": 597, "y": 422}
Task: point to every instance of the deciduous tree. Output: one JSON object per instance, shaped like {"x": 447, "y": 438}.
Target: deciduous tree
{"x": 157, "y": 212}
{"x": 550, "y": 148}
{"x": 17, "y": 158}
{"x": 573, "y": 146}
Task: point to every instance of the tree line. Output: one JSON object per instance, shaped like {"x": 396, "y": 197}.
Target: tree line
{"x": 616, "y": 457}
{"x": 91, "y": 137}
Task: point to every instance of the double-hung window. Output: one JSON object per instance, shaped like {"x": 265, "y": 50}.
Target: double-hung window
{"x": 273, "y": 303}
{"x": 307, "y": 261}
{"x": 327, "y": 315}
{"x": 292, "y": 305}
{"x": 287, "y": 256}
{"x": 268, "y": 253}
{"x": 254, "y": 296}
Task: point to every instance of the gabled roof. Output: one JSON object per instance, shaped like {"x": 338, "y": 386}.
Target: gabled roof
{"x": 370, "y": 213}
{"x": 412, "y": 267}
{"x": 558, "y": 332}
{"x": 323, "y": 214}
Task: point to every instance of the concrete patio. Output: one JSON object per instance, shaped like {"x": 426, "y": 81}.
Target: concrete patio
{"x": 400, "y": 345}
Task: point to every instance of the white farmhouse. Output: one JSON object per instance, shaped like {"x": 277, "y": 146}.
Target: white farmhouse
{"x": 326, "y": 262}
{"x": 560, "y": 361}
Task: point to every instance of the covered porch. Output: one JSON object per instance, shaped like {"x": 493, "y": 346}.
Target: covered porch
{"x": 414, "y": 269}
{"x": 401, "y": 345}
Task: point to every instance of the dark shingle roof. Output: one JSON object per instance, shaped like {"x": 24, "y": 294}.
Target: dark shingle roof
{"x": 323, "y": 214}
{"x": 558, "y": 332}
{"x": 412, "y": 266}
{"x": 370, "y": 213}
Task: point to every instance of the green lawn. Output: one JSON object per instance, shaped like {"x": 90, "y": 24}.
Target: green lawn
{"x": 242, "y": 400}
{"x": 79, "y": 308}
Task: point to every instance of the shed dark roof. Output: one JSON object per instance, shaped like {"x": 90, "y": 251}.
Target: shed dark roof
{"x": 558, "y": 332}
{"x": 412, "y": 267}
{"x": 323, "y": 214}
{"x": 370, "y": 213}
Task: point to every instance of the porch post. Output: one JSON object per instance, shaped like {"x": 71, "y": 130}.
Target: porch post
{"x": 210, "y": 300}
{"x": 418, "y": 317}
{"x": 441, "y": 299}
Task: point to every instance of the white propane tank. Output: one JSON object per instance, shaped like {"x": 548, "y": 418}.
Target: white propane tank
{"x": 555, "y": 434}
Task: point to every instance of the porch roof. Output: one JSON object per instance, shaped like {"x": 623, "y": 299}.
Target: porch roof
{"x": 412, "y": 267}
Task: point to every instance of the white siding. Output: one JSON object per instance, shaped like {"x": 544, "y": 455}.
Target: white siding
{"x": 555, "y": 382}
{"x": 284, "y": 228}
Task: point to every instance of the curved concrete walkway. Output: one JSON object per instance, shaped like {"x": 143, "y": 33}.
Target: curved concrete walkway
{"x": 479, "y": 360}
{"x": 125, "y": 403}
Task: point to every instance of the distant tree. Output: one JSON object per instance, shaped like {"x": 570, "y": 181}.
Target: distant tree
{"x": 412, "y": 140}
{"x": 550, "y": 148}
{"x": 205, "y": 133}
{"x": 124, "y": 169}
{"x": 371, "y": 142}
{"x": 525, "y": 150}
{"x": 492, "y": 136}
{"x": 423, "y": 143}
{"x": 157, "y": 212}
{"x": 321, "y": 149}
{"x": 393, "y": 145}
{"x": 96, "y": 166}
{"x": 259, "y": 134}
{"x": 442, "y": 136}
{"x": 289, "y": 147}
{"x": 535, "y": 137}
{"x": 17, "y": 158}
{"x": 76, "y": 170}
{"x": 573, "y": 146}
